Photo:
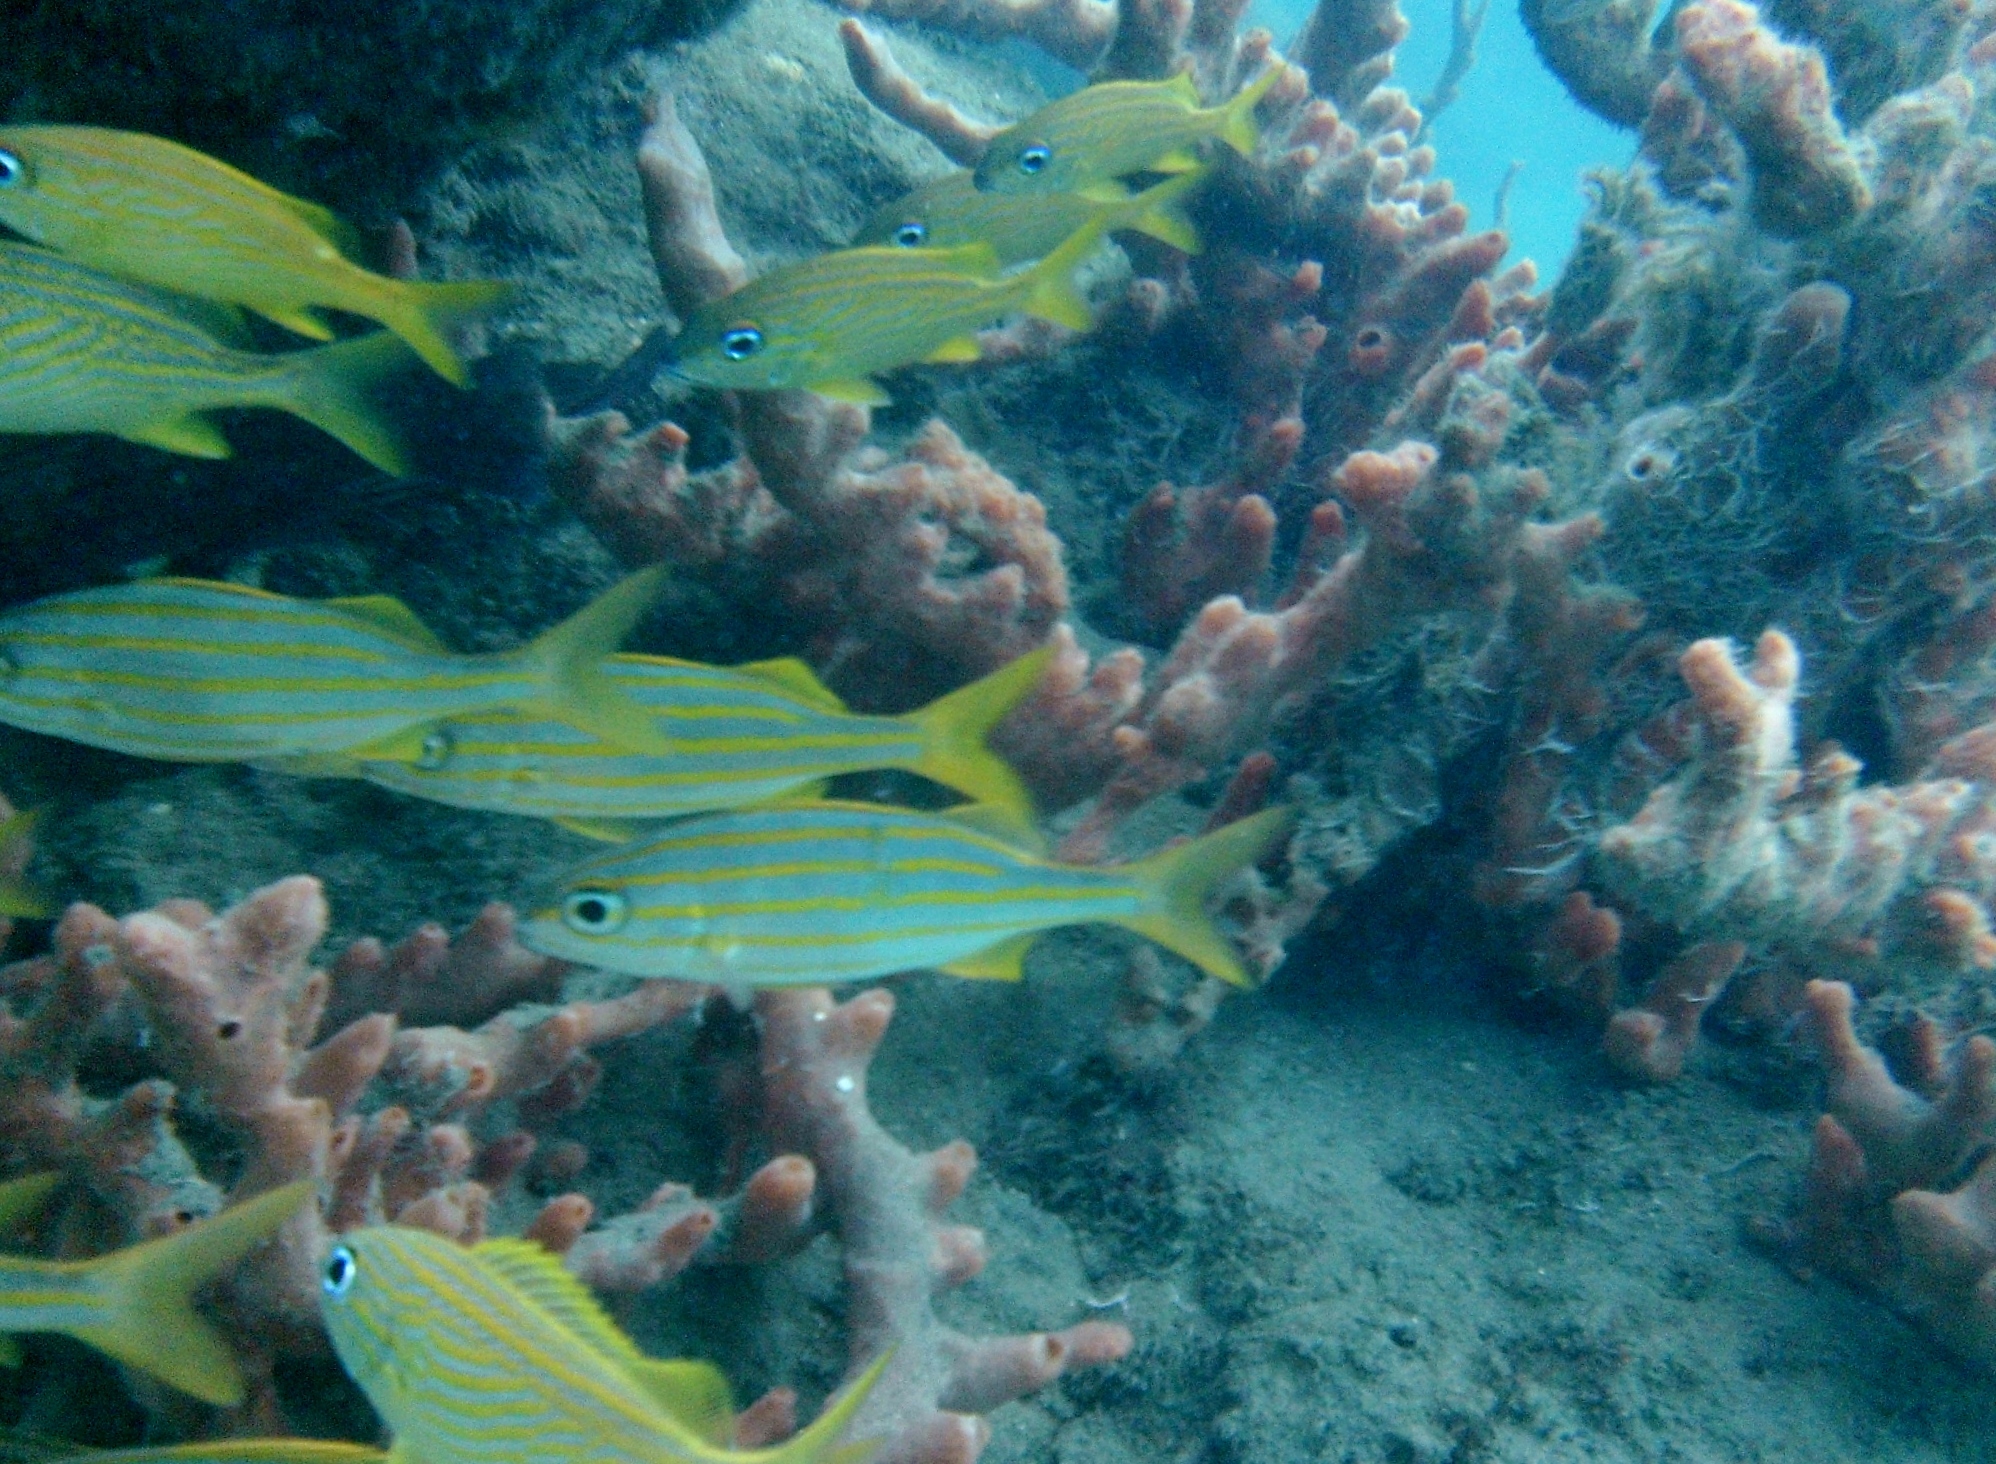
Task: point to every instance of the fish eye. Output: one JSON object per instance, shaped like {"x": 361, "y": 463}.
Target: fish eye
{"x": 594, "y": 912}
{"x": 1034, "y": 159}
{"x": 912, "y": 235}
{"x": 12, "y": 169}
{"x": 1649, "y": 461}
{"x": 341, "y": 1268}
{"x": 436, "y": 750}
{"x": 740, "y": 342}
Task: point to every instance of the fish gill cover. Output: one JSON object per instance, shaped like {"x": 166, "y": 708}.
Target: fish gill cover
{"x": 1619, "y": 646}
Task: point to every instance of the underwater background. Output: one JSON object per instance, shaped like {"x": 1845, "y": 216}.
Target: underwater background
{"x": 1580, "y": 1048}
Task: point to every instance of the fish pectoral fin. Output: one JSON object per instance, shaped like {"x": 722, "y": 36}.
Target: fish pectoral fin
{"x": 790, "y": 674}
{"x": 694, "y": 1394}
{"x": 313, "y": 765}
{"x": 404, "y": 746}
{"x": 297, "y": 319}
{"x": 608, "y": 830}
{"x": 955, "y": 352}
{"x": 1178, "y": 160}
{"x": 191, "y": 436}
{"x": 539, "y": 1276}
{"x": 385, "y": 612}
{"x": 1005, "y": 961}
{"x": 858, "y": 390}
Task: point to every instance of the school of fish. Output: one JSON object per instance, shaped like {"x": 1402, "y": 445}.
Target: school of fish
{"x": 123, "y": 313}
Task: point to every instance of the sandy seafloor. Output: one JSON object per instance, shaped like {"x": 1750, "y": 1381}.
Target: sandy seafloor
{"x": 1383, "y": 1233}
{"x": 1348, "y": 1227}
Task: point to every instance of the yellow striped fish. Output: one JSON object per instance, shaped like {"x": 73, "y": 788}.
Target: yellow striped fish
{"x": 158, "y": 212}
{"x": 493, "y": 1354}
{"x": 828, "y": 324}
{"x": 136, "y": 1303}
{"x": 738, "y": 735}
{"x": 200, "y": 671}
{"x": 808, "y": 894}
{"x": 953, "y": 211}
{"x": 1114, "y": 129}
{"x": 81, "y": 351}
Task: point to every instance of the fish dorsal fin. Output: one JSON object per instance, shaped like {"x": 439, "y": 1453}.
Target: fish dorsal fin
{"x": 191, "y": 435}
{"x": 955, "y": 352}
{"x": 227, "y": 587}
{"x": 789, "y": 674}
{"x": 1006, "y": 961}
{"x": 995, "y": 820}
{"x": 385, "y": 612}
{"x": 542, "y": 1279}
{"x": 328, "y": 225}
{"x": 24, "y": 1197}
{"x": 858, "y": 390}
{"x": 694, "y": 1394}
{"x": 1183, "y": 88}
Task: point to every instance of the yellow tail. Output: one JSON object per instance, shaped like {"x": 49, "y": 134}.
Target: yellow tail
{"x": 570, "y": 660}
{"x": 954, "y": 727}
{"x": 1238, "y": 129}
{"x": 1182, "y": 878}
{"x": 151, "y": 1323}
{"x": 426, "y": 315}
{"x": 1050, "y": 292}
{"x": 1158, "y": 212}
{"x": 819, "y": 1444}
{"x": 338, "y": 389}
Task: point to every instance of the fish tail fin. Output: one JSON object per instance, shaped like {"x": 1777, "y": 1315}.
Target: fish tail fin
{"x": 1159, "y": 212}
{"x": 819, "y": 1444}
{"x": 1238, "y": 129}
{"x": 149, "y": 1317}
{"x": 1182, "y": 878}
{"x": 337, "y": 389}
{"x": 1051, "y": 294}
{"x": 954, "y": 727}
{"x": 571, "y": 660}
{"x": 426, "y": 315}
{"x": 20, "y": 900}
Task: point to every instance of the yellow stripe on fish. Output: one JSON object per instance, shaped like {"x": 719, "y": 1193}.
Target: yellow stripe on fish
{"x": 155, "y": 211}
{"x": 136, "y": 1304}
{"x": 737, "y": 735}
{"x": 828, "y": 324}
{"x": 201, "y": 671}
{"x": 811, "y": 893}
{"x": 953, "y": 211}
{"x": 1114, "y": 129}
{"x": 82, "y": 351}
{"x": 493, "y": 1354}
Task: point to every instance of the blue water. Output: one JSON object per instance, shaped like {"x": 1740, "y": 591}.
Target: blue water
{"x": 1510, "y": 108}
